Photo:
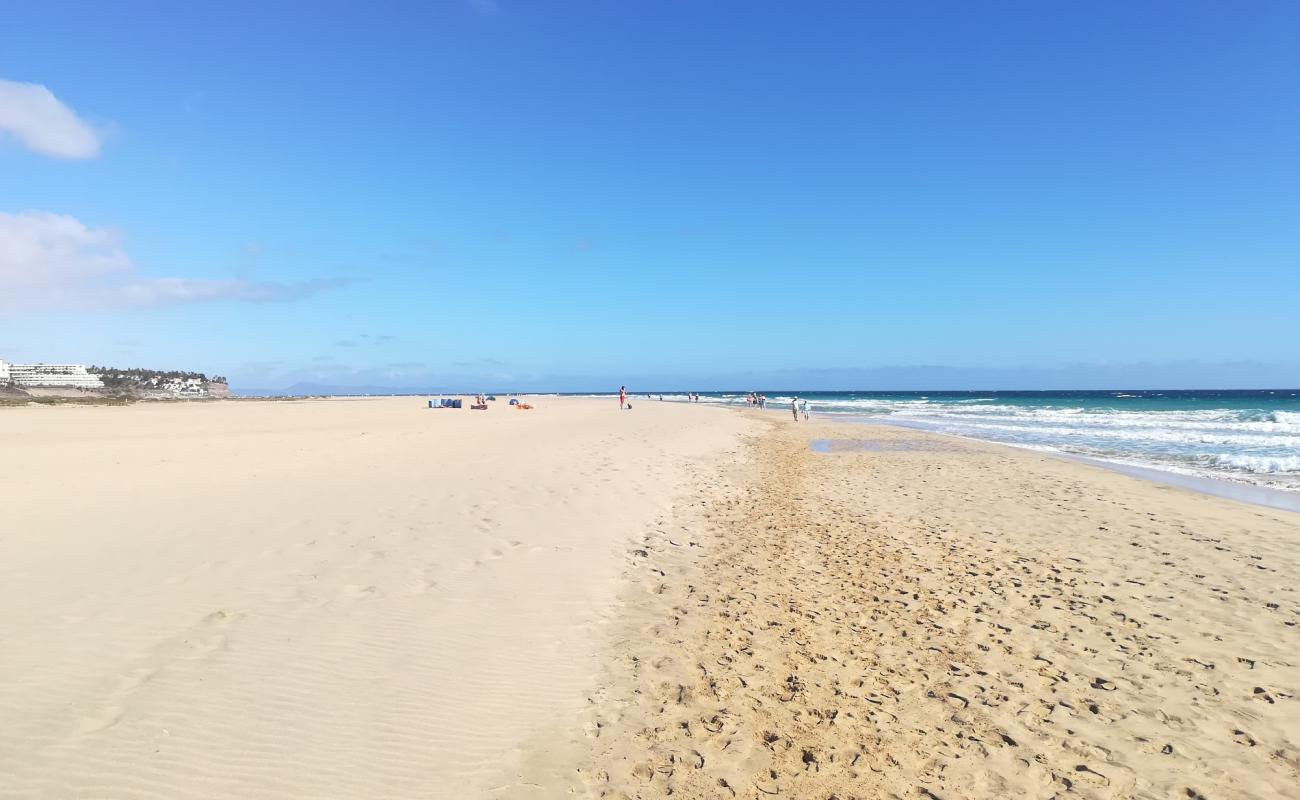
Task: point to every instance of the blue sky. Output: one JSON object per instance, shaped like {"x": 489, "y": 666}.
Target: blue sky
{"x": 558, "y": 194}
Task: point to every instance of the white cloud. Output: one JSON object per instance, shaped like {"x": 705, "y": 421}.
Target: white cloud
{"x": 38, "y": 248}
{"x": 35, "y": 117}
{"x": 55, "y": 262}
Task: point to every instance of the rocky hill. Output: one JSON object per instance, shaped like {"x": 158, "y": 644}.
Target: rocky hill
{"x": 153, "y": 384}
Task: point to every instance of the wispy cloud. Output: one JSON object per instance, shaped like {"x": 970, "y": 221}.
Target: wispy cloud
{"x": 43, "y": 124}
{"x": 56, "y": 262}
{"x": 169, "y": 291}
{"x": 478, "y": 363}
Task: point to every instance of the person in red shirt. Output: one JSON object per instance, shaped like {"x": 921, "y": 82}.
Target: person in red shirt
{"x": 622, "y": 397}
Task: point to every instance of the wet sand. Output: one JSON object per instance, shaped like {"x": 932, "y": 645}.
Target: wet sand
{"x": 1246, "y": 493}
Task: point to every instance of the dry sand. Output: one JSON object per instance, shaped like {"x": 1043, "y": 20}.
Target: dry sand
{"x": 348, "y": 598}
{"x": 369, "y": 599}
{"x": 910, "y": 616}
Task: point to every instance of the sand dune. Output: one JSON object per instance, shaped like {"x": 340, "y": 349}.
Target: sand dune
{"x": 322, "y": 598}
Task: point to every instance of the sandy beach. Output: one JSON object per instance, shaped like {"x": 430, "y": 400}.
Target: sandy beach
{"x": 341, "y": 598}
{"x": 907, "y": 615}
{"x": 363, "y": 598}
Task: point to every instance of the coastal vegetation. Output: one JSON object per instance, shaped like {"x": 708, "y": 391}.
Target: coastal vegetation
{"x": 115, "y": 378}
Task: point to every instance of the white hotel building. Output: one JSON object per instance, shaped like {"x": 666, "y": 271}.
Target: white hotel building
{"x": 53, "y": 375}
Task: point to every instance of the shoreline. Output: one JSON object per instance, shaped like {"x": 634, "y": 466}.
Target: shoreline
{"x": 1241, "y": 491}
{"x": 1265, "y": 494}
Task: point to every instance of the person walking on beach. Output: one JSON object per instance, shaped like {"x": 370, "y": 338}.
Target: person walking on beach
{"x": 622, "y": 397}
{"x": 803, "y": 406}
{"x": 794, "y": 408}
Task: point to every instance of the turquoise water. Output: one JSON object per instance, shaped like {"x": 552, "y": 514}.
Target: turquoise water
{"x": 1246, "y": 436}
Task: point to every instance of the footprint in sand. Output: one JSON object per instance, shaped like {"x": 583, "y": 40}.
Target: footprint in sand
{"x": 419, "y": 586}
{"x": 373, "y": 555}
{"x": 114, "y": 709}
{"x": 1241, "y": 737}
{"x": 200, "y": 641}
{"x": 421, "y": 579}
{"x": 354, "y": 591}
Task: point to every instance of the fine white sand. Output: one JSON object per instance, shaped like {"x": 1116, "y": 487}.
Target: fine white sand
{"x": 339, "y": 598}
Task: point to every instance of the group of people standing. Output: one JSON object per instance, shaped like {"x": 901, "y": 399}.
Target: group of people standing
{"x": 753, "y": 400}
{"x": 797, "y": 407}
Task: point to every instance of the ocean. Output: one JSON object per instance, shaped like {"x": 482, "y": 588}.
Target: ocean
{"x": 1244, "y": 436}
